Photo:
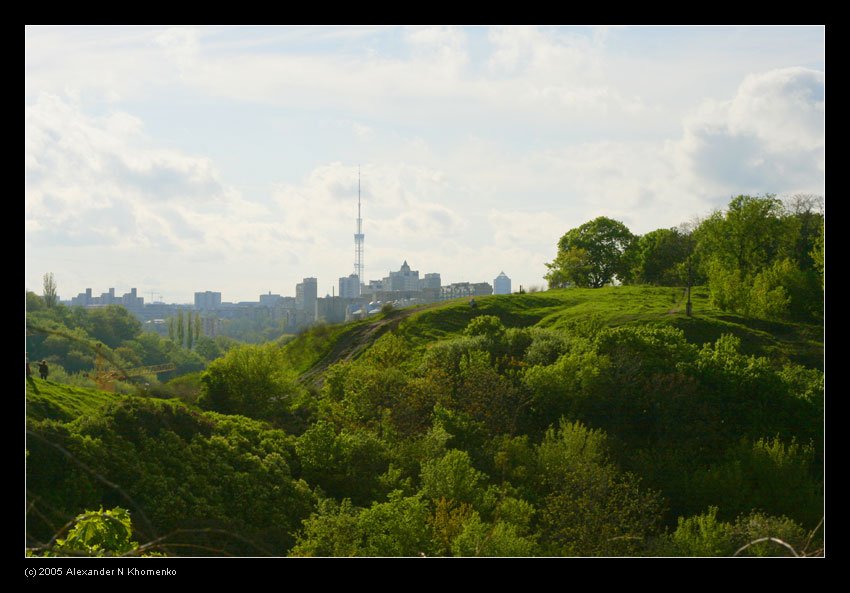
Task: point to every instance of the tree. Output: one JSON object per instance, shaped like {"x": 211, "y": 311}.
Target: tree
{"x": 250, "y": 380}
{"x": 180, "y": 334}
{"x": 197, "y": 326}
{"x": 591, "y": 255}
{"x": 658, "y": 257}
{"x": 50, "y": 296}
{"x": 112, "y": 325}
{"x": 190, "y": 334}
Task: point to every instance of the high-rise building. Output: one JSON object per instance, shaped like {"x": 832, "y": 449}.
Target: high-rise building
{"x": 306, "y": 297}
{"x": 349, "y": 287}
{"x": 502, "y": 284}
{"x": 207, "y": 300}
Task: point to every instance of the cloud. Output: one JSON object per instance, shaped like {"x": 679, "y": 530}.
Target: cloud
{"x": 768, "y": 138}
{"x": 99, "y": 180}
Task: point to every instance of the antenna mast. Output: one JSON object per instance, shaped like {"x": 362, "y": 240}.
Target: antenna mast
{"x": 358, "y": 239}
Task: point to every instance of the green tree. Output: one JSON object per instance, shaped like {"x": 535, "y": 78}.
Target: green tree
{"x": 180, "y": 328}
{"x": 658, "y": 257}
{"x": 591, "y": 255}
{"x": 253, "y": 381}
{"x": 198, "y": 328}
{"x": 34, "y": 302}
{"x": 51, "y": 298}
{"x": 190, "y": 333}
{"x": 112, "y": 325}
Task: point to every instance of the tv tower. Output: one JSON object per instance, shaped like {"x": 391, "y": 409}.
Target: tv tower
{"x": 358, "y": 239}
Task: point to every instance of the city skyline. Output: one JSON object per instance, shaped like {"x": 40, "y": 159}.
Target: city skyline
{"x": 181, "y": 159}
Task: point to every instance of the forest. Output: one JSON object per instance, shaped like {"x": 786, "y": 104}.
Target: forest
{"x": 664, "y": 397}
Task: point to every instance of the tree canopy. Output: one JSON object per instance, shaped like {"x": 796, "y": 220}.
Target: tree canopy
{"x": 591, "y": 255}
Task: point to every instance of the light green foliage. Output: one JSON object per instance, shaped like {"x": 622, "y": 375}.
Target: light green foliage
{"x": 251, "y": 380}
{"x": 98, "y": 533}
{"x": 397, "y": 527}
{"x": 758, "y": 258}
{"x": 452, "y": 477}
{"x": 488, "y": 326}
{"x": 331, "y": 531}
{"x": 702, "y": 535}
{"x": 591, "y": 255}
{"x": 478, "y": 538}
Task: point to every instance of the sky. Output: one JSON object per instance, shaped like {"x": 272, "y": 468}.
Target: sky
{"x": 183, "y": 159}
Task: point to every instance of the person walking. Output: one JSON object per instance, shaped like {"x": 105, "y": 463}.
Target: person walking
{"x": 43, "y": 371}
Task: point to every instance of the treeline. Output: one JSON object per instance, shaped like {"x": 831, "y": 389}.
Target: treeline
{"x": 69, "y": 338}
{"x": 503, "y": 441}
{"x": 760, "y": 257}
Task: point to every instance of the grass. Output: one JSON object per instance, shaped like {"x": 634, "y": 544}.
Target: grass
{"x": 56, "y": 401}
{"x": 623, "y": 305}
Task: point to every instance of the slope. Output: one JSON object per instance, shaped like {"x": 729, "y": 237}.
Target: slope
{"x": 560, "y": 309}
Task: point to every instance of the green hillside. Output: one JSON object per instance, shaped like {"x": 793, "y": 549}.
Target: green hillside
{"x": 560, "y": 309}
{"x": 55, "y": 401}
{"x": 564, "y": 423}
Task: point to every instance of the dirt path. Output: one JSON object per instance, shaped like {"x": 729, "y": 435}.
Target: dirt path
{"x": 352, "y": 345}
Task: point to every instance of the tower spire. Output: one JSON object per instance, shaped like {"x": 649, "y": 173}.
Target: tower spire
{"x": 358, "y": 238}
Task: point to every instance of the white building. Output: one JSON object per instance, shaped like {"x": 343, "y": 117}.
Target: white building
{"x": 502, "y": 284}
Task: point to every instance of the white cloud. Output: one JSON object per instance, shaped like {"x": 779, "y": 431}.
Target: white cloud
{"x": 768, "y": 138}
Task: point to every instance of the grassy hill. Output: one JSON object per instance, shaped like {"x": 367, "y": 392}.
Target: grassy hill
{"x": 55, "y": 401}
{"x": 558, "y": 309}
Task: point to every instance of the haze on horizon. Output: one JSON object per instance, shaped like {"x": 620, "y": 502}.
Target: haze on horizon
{"x": 184, "y": 159}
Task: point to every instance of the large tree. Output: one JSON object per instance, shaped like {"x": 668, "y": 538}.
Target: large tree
{"x": 591, "y": 255}
{"x": 50, "y": 295}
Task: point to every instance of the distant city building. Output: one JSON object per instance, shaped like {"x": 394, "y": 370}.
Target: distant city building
{"x": 502, "y": 284}
{"x": 207, "y": 300}
{"x": 306, "y": 297}
{"x": 349, "y": 287}
{"x": 373, "y": 287}
{"x": 270, "y": 300}
{"x": 404, "y": 279}
{"x": 431, "y": 281}
{"x": 130, "y": 300}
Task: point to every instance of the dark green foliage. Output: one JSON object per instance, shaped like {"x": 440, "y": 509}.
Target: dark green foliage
{"x": 176, "y": 469}
{"x": 659, "y": 257}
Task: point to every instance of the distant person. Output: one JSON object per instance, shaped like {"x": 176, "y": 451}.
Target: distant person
{"x": 43, "y": 371}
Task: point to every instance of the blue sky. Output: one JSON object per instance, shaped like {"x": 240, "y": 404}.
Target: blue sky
{"x": 183, "y": 159}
